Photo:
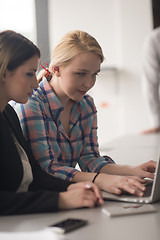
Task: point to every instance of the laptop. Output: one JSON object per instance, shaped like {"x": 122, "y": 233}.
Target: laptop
{"x": 151, "y": 194}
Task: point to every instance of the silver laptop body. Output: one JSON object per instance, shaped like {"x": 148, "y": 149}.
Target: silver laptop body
{"x": 154, "y": 197}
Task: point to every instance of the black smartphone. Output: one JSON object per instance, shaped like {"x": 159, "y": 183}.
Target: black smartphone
{"x": 68, "y": 225}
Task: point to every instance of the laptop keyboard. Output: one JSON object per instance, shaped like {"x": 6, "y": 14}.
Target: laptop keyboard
{"x": 148, "y": 190}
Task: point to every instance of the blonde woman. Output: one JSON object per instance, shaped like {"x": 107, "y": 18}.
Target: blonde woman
{"x": 60, "y": 120}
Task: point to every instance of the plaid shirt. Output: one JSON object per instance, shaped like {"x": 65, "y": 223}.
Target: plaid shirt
{"x": 56, "y": 152}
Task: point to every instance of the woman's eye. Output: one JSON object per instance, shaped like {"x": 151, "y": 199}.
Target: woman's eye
{"x": 81, "y": 73}
{"x": 29, "y": 74}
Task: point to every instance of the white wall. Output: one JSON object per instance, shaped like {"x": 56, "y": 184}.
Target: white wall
{"x": 96, "y": 17}
{"x": 120, "y": 26}
{"x": 136, "y": 24}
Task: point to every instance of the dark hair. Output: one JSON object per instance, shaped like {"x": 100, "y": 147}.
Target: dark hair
{"x": 15, "y": 49}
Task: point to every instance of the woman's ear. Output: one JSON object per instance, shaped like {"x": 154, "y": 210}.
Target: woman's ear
{"x": 56, "y": 71}
{"x": 5, "y": 75}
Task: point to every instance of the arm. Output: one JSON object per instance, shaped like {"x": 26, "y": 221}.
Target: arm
{"x": 151, "y": 81}
{"x": 90, "y": 159}
{"x": 78, "y": 195}
{"x": 145, "y": 170}
{"x": 28, "y": 202}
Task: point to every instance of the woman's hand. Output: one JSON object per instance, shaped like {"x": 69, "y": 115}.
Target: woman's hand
{"x": 152, "y": 130}
{"x": 117, "y": 184}
{"x": 145, "y": 170}
{"x": 82, "y": 194}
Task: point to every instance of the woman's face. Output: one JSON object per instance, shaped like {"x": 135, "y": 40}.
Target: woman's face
{"x": 79, "y": 76}
{"x": 19, "y": 84}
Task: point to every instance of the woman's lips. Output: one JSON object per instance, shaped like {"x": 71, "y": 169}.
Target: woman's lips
{"x": 82, "y": 92}
{"x": 30, "y": 94}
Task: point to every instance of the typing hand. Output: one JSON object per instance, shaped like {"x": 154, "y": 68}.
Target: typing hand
{"x": 145, "y": 170}
{"x": 117, "y": 184}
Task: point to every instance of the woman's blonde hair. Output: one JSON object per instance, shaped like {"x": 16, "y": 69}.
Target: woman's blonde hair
{"x": 69, "y": 46}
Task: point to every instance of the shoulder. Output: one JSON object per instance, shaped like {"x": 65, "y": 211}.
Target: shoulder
{"x": 40, "y": 94}
{"x": 156, "y": 33}
{"x": 34, "y": 103}
{"x": 12, "y": 119}
{"x": 153, "y": 38}
{"x": 39, "y": 98}
{"x": 10, "y": 113}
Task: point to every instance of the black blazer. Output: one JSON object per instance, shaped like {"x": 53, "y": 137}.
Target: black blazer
{"x": 43, "y": 191}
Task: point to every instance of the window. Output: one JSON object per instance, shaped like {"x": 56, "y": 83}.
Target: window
{"x": 18, "y": 15}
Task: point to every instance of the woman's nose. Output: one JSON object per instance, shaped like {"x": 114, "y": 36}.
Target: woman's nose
{"x": 35, "y": 83}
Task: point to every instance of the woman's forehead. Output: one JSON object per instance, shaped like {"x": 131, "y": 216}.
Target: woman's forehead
{"x": 86, "y": 61}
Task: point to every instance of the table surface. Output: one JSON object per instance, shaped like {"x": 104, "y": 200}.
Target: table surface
{"x": 100, "y": 226}
{"x": 134, "y": 140}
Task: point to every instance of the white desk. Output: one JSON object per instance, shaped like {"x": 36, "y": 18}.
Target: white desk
{"x": 133, "y": 140}
{"x": 100, "y": 227}
{"x": 133, "y": 149}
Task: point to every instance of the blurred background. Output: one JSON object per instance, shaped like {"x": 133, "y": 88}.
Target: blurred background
{"x": 120, "y": 26}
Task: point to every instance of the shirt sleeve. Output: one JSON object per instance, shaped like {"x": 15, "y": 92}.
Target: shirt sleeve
{"x": 35, "y": 129}
{"x": 151, "y": 79}
{"x": 90, "y": 160}
{"x": 28, "y": 202}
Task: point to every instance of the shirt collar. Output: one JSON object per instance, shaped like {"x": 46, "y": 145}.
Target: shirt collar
{"x": 53, "y": 101}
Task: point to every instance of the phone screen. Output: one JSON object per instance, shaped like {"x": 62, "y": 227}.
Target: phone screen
{"x": 68, "y": 224}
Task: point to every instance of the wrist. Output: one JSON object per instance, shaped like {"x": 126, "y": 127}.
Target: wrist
{"x": 62, "y": 201}
{"x": 129, "y": 171}
{"x": 98, "y": 180}
{"x": 96, "y": 175}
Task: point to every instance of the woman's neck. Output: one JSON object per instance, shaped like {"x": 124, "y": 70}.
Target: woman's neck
{"x": 3, "y": 101}
{"x": 2, "y": 106}
{"x": 63, "y": 98}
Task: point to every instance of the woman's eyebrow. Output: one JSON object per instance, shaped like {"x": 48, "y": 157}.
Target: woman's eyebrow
{"x": 84, "y": 70}
{"x": 33, "y": 69}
